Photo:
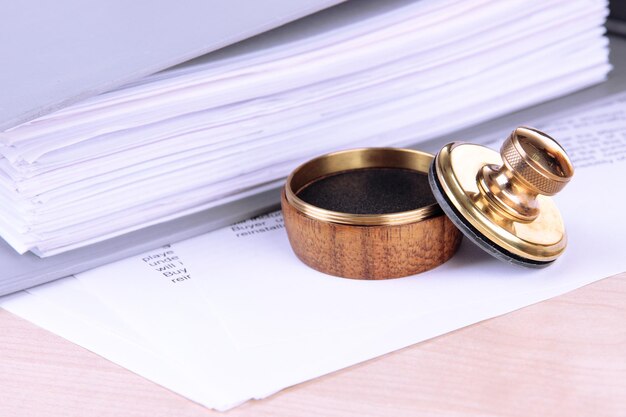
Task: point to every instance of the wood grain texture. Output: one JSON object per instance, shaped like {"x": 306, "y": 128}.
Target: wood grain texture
{"x": 562, "y": 357}
{"x": 372, "y": 252}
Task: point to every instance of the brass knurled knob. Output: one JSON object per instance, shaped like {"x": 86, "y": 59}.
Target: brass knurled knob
{"x": 537, "y": 160}
{"x": 532, "y": 163}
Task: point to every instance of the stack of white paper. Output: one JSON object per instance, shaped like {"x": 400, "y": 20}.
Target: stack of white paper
{"x": 366, "y": 73}
{"x": 234, "y": 315}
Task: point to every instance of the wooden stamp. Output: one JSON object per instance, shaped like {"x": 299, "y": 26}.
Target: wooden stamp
{"x": 367, "y": 214}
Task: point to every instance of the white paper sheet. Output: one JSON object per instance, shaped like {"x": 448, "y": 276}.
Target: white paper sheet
{"x": 233, "y": 315}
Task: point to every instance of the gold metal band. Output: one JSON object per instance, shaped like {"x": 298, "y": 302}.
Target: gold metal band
{"x": 336, "y": 162}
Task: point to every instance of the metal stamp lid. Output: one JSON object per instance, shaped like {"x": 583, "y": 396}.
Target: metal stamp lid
{"x": 501, "y": 201}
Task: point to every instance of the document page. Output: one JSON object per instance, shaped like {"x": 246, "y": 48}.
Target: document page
{"x": 234, "y": 315}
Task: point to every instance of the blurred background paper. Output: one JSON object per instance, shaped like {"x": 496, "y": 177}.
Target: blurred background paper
{"x": 192, "y": 137}
{"x": 55, "y": 54}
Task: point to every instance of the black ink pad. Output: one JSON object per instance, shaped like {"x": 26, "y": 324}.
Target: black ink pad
{"x": 370, "y": 191}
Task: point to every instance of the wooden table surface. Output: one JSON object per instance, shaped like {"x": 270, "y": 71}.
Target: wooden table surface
{"x": 562, "y": 357}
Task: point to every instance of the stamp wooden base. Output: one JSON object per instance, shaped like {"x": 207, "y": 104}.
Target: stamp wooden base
{"x": 370, "y": 252}
{"x": 368, "y": 214}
